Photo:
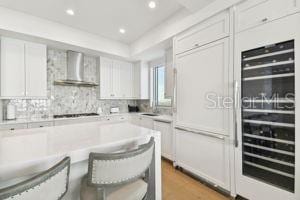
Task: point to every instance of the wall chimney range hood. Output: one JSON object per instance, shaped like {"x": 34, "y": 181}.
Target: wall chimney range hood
{"x": 75, "y": 71}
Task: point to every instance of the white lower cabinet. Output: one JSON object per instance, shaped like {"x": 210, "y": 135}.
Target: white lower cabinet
{"x": 116, "y": 118}
{"x": 142, "y": 121}
{"x": 135, "y": 119}
{"x": 40, "y": 124}
{"x": 165, "y": 128}
{"x": 11, "y": 127}
{"x": 146, "y": 122}
{"x": 206, "y": 156}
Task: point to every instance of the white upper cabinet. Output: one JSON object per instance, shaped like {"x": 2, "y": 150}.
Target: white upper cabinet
{"x": 23, "y": 69}
{"x": 105, "y": 78}
{"x": 116, "y": 79}
{"x": 169, "y": 75}
{"x": 252, "y": 13}
{"x": 12, "y": 68}
{"x": 136, "y": 76}
{"x": 122, "y": 80}
{"x": 141, "y": 80}
{"x": 126, "y": 80}
{"x": 212, "y": 29}
{"x": 145, "y": 81}
{"x": 36, "y": 69}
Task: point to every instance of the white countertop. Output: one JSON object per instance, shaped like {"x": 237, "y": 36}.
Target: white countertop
{"x": 166, "y": 118}
{"x": 25, "y": 149}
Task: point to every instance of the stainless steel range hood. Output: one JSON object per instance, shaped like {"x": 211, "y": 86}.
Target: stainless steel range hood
{"x": 75, "y": 71}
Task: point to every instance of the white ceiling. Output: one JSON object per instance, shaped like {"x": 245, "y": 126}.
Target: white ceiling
{"x": 194, "y": 5}
{"x": 101, "y": 17}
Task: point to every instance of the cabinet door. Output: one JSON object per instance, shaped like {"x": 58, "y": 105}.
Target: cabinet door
{"x": 136, "y": 76}
{"x": 116, "y": 79}
{"x": 126, "y": 80}
{"x": 166, "y": 138}
{"x": 105, "y": 78}
{"x": 135, "y": 119}
{"x": 146, "y": 122}
{"x": 257, "y": 12}
{"x": 12, "y": 68}
{"x": 203, "y": 155}
{"x": 145, "y": 81}
{"x": 202, "y": 77}
{"x": 169, "y": 75}
{"x": 36, "y": 70}
{"x": 213, "y": 29}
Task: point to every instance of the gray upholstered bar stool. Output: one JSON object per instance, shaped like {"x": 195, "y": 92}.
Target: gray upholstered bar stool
{"x": 118, "y": 176}
{"x": 49, "y": 185}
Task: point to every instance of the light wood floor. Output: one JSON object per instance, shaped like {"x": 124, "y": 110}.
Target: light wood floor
{"x": 179, "y": 186}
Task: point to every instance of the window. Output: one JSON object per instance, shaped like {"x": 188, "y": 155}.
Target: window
{"x": 159, "y": 87}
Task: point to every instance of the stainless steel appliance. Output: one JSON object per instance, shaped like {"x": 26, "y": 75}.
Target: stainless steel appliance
{"x": 75, "y": 71}
{"x": 75, "y": 115}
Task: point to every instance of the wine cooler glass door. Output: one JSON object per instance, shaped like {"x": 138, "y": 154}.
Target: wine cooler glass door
{"x": 266, "y": 114}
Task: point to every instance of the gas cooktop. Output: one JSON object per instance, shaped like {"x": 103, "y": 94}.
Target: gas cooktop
{"x": 75, "y": 115}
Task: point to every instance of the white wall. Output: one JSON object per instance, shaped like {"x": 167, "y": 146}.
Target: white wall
{"x": 21, "y": 23}
{"x": 177, "y": 24}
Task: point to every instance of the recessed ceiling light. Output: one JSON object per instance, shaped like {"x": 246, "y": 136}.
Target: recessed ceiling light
{"x": 152, "y": 4}
{"x": 122, "y": 30}
{"x": 70, "y": 12}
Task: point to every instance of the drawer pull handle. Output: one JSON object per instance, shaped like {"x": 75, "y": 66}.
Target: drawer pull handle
{"x": 264, "y": 19}
{"x": 196, "y": 45}
{"x": 12, "y": 129}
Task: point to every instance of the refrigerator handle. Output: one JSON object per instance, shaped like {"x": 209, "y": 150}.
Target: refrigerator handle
{"x": 236, "y": 104}
{"x": 174, "y": 90}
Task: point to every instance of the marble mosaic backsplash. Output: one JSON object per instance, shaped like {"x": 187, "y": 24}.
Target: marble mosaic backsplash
{"x": 66, "y": 99}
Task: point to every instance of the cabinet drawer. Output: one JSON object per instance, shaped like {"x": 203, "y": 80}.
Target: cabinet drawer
{"x": 40, "y": 124}
{"x": 211, "y": 30}
{"x": 257, "y": 12}
{"x": 75, "y": 121}
{"x": 13, "y": 126}
{"x": 191, "y": 153}
{"x": 116, "y": 118}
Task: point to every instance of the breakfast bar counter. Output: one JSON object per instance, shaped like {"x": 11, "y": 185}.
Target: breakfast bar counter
{"x": 26, "y": 152}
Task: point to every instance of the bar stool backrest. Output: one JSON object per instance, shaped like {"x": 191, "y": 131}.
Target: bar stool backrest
{"x": 119, "y": 168}
{"x": 49, "y": 185}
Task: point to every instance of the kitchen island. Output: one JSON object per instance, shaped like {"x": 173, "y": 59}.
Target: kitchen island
{"x": 26, "y": 152}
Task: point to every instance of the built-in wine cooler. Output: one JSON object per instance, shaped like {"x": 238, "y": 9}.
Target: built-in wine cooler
{"x": 268, "y": 114}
